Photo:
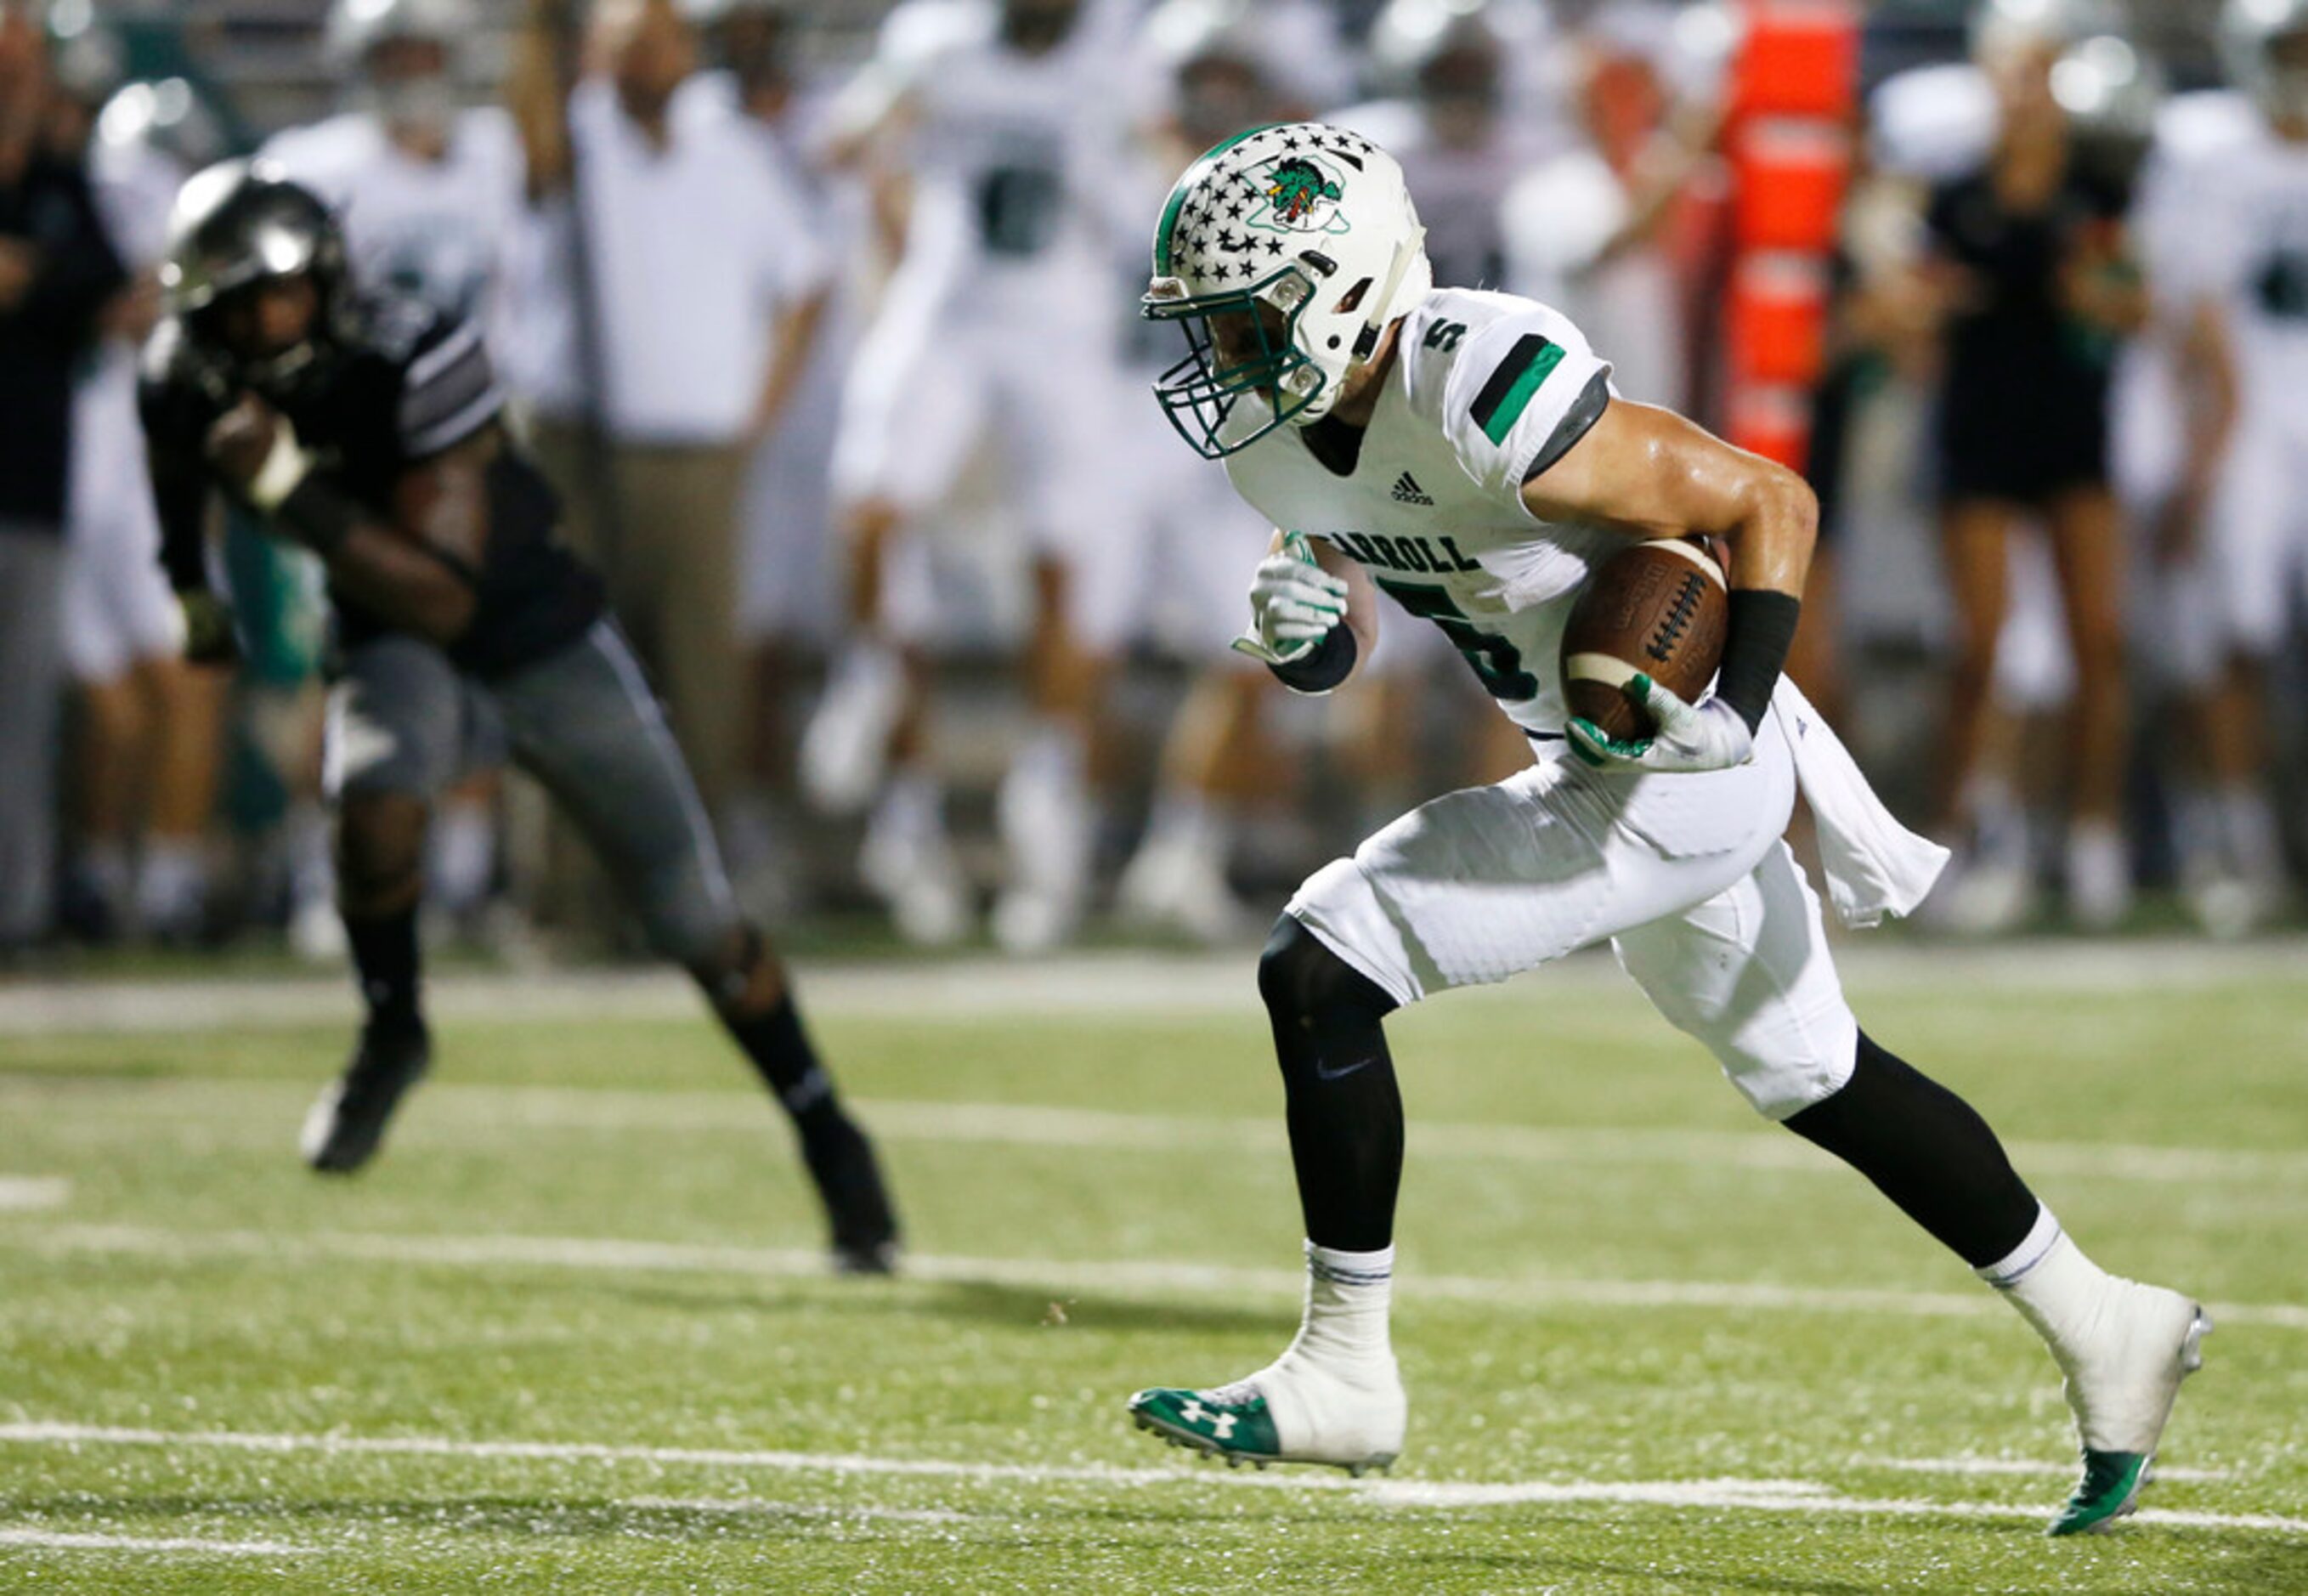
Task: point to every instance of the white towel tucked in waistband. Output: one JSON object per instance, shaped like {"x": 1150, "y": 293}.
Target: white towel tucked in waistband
{"x": 1874, "y": 866}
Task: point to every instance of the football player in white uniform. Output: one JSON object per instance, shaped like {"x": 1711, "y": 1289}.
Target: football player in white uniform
{"x": 1323, "y": 369}
{"x": 1011, "y": 135}
{"x": 2230, "y": 230}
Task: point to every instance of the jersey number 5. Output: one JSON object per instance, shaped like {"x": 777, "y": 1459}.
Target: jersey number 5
{"x": 1496, "y": 664}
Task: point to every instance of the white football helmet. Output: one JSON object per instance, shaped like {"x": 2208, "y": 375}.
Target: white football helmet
{"x": 2265, "y": 43}
{"x": 1283, "y": 253}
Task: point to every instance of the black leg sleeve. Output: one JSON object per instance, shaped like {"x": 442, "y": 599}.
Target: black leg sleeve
{"x": 1345, "y": 1112}
{"x": 1928, "y": 1150}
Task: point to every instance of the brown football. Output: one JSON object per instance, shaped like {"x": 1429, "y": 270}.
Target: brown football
{"x": 1660, "y": 608}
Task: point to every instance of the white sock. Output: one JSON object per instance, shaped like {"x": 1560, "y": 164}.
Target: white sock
{"x": 171, "y": 881}
{"x": 1344, "y": 1324}
{"x": 912, "y": 807}
{"x": 462, "y": 855}
{"x": 2055, "y": 1288}
{"x": 2255, "y": 841}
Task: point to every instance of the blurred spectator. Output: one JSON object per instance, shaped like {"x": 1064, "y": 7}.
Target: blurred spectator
{"x": 704, "y": 287}
{"x": 57, "y": 272}
{"x": 2032, "y": 276}
{"x": 149, "y": 725}
{"x": 789, "y": 610}
{"x": 1009, "y": 127}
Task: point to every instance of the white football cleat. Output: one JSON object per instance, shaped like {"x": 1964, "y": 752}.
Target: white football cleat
{"x": 845, "y": 749}
{"x": 1293, "y": 1411}
{"x": 2123, "y": 1374}
{"x": 2099, "y": 875}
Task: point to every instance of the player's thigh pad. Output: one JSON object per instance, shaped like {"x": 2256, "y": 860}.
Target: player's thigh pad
{"x": 585, "y": 723}
{"x": 1748, "y": 974}
{"x": 402, "y": 721}
{"x": 1483, "y": 883}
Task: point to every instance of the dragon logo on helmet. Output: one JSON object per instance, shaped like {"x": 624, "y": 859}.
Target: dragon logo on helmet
{"x": 1304, "y": 198}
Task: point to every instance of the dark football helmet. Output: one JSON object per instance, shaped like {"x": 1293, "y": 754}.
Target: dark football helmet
{"x": 239, "y": 223}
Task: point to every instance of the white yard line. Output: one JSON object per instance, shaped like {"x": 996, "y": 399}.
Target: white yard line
{"x": 2030, "y": 1467}
{"x": 87, "y": 1541}
{"x": 1121, "y": 1275}
{"x": 1765, "y": 1496}
{"x": 1092, "y": 983}
{"x": 449, "y": 1110}
{"x": 754, "y": 1507}
{"x": 23, "y": 1193}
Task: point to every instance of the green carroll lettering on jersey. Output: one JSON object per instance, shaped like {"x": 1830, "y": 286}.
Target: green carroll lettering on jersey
{"x": 1496, "y": 662}
{"x": 1406, "y": 554}
{"x": 1504, "y": 398}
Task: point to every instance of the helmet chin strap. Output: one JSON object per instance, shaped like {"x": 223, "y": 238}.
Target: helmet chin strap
{"x": 1381, "y": 309}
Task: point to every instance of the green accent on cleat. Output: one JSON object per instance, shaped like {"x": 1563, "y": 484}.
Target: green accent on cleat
{"x": 2109, "y": 1490}
{"x": 1237, "y": 1428}
{"x": 1199, "y": 1421}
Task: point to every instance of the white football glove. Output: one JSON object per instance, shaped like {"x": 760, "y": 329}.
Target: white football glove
{"x": 1294, "y": 603}
{"x": 1706, "y": 737}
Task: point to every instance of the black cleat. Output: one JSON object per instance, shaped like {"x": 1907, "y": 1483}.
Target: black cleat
{"x": 841, "y": 1161}
{"x": 348, "y": 1122}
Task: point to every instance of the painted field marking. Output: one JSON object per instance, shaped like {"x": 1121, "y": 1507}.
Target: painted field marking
{"x": 1762, "y": 1496}
{"x": 451, "y": 1114}
{"x": 1992, "y": 1466}
{"x": 24, "y": 1194}
{"x": 1125, "y": 982}
{"x": 755, "y": 1507}
{"x": 1128, "y": 1276}
{"x": 87, "y": 1540}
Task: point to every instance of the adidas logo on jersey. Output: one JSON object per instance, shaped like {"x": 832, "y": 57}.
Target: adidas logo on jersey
{"x": 1407, "y": 491}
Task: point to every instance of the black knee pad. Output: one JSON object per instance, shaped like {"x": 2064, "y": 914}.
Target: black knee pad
{"x": 380, "y": 849}
{"x": 1303, "y": 981}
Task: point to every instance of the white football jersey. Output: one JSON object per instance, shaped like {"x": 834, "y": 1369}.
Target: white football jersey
{"x": 2242, "y": 242}
{"x": 435, "y": 230}
{"x": 1013, "y": 158}
{"x": 1488, "y": 390}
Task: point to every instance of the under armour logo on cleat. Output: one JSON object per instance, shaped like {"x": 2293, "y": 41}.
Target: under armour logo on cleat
{"x": 1407, "y": 491}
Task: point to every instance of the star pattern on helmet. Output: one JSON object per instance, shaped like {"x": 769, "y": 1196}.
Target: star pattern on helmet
{"x": 1213, "y": 240}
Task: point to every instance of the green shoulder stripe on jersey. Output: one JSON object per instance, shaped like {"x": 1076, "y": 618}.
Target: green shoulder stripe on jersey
{"x": 1504, "y": 398}
{"x": 1193, "y": 175}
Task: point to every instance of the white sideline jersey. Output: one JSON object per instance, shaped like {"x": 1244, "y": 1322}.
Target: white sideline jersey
{"x": 1013, "y": 158}
{"x": 1486, "y": 391}
{"x": 2244, "y": 244}
{"x": 436, "y": 231}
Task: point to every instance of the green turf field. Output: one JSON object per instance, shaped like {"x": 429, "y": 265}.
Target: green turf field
{"x": 570, "y": 1333}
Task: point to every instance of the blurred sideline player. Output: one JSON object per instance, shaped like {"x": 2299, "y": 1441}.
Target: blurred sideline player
{"x": 367, "y": 428}
{"x": 1011, "y": 133}
{"x": 428, "y": 191}
{"x": 1222, "y": 66}
{"x": 150, "y": 733}
{"x": 1463, "y": 147}
{"x": 1320, "y": 373}
{"x": 2233, "y": 234}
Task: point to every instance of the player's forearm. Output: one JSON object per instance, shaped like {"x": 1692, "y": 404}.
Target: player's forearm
{"x": 401, "y": 584}
{"x": 1770, "y": 558}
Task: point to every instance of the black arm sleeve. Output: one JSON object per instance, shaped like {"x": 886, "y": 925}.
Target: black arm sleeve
{"x": 1762, "y": 630}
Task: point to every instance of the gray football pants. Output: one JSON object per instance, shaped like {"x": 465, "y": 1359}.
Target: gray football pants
{"x": 402, "y": 720}
{"x": 31, "y": 682}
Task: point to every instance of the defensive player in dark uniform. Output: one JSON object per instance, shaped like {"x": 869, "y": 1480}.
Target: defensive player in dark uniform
{"x": 367, "y": 428}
